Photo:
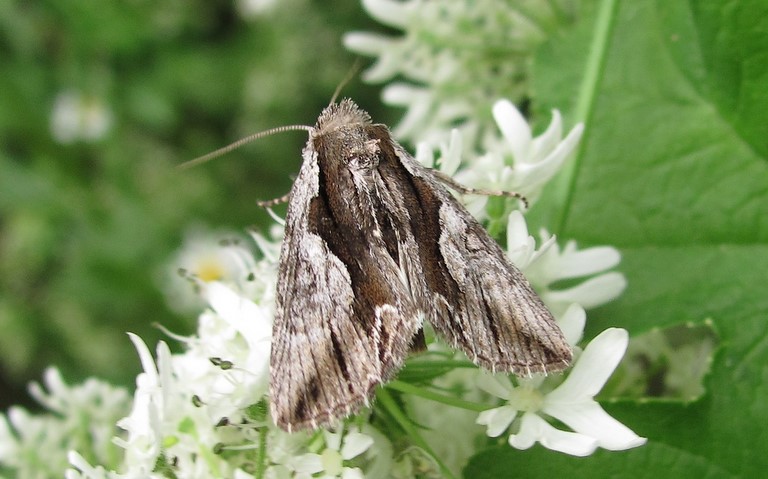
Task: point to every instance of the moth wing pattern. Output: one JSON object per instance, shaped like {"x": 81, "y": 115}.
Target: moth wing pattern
{"x": 481, "y": 302}
{"x": 342, "y": 325}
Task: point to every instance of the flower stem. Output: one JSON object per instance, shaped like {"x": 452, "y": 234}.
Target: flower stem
{"x": 585, "y": 103}
{"x": 261, "y": 455}
{"x": 433, "y": 396}
{"x": 386, "y": 400}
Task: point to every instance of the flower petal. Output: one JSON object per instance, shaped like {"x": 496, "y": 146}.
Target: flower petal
{"x": 250, "y": 319}
{"x": 548, "y": 140}
{"x": 425, "y": 154}
{"x": 307, "y": 463}
{"x": 575, "y": 264}
{"x": 79, "y": 462}
{"x": 165, "y": 369}
{"x": 590, "y": 419}
{"x": 534, "y": 173}
{"x": 417, "y": 100}
{"x": 591, "y": 293}
{"x": 520, "y": 245}
{"x": 352, "y": 473}
{"x": 567, "y": 145}
{"x": 533, "y": 429}
{"x": 514, "y": 128}
{"x": 450, "y": 157}
{"x": 9, "y": 448}
{"x": 495, "y": 384}
{"x": 390, "y": 13}
{"x": 332, "y": 439}
{"x": 572, "y": 323}
{"x": 355, "y": 443}
{"x": 387, "y": 66}
{"x": 365, "y": 43}
{"x": 592, "y": 369}
{"x": 147, "y": 362}
{"x": 497, "y": 419}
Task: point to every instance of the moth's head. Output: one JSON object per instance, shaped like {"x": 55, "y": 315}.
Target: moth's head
{"x": 344, "y": 134}
{"x": 345, "y": 114}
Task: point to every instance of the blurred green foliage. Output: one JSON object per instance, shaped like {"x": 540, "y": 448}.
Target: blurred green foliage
{"x": 86, "y": 227}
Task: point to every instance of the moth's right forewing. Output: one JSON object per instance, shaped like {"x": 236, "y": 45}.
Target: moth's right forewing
{"x": 477, "y": 299}
{"x": 499, "y": 320}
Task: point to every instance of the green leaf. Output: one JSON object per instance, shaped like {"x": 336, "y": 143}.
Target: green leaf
{"x": 673, "y": 172}
{"x": 651, "y": 461}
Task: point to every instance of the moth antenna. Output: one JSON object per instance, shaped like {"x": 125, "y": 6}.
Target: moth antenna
{"x": 455, "y": 185}
{"x": 222, "y": 151}
{"x": 347, "y": 78}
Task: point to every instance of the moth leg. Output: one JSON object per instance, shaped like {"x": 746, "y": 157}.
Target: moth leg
{"x": 277, "y": 201}
{"x": 466, "y": 190}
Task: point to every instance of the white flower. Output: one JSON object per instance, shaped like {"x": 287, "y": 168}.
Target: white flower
{"x": 547, "y": 265}
{"x": 423, "y": 109}
{"x": 460, "y": 55}
{"x": 450, "y": 154}
{"x": 78, "y": 117}
{"x": 517, "y": 161}
{"x": 239, "y": 332}
{"x": 147, "y": 424}
{"x": 512, "y": 161}
{"x": 206, "y": 257}
{"x": 536, "y": 160}
{"x": 571, "y": 403}
{"x": 180, "y": 398}
{"x": 330, "y": 461}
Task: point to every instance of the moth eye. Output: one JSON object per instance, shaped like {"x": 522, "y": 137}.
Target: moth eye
{"x": 372, "y": 146}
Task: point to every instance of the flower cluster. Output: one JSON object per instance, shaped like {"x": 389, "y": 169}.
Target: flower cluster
{"x": 81, "y": 418}
{"x": 513, "y": 161}
{"x": 203, "y": 411}
{"x": 460, "y": 56}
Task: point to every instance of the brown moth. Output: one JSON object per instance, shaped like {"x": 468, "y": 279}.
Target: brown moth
{"x": 374, "y": 244}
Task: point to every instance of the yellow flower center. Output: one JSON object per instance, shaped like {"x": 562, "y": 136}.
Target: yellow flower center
{"x": 209, "y": 270}
{"x": 332, "y": 462}
{"x": 526, "y": 399}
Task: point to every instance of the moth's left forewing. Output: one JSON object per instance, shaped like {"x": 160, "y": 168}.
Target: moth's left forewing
{"x": 345, "y": 318}
{"x": 472, "y": 294}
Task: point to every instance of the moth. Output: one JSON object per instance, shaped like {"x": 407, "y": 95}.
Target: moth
{"x": 374, "y": 245}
